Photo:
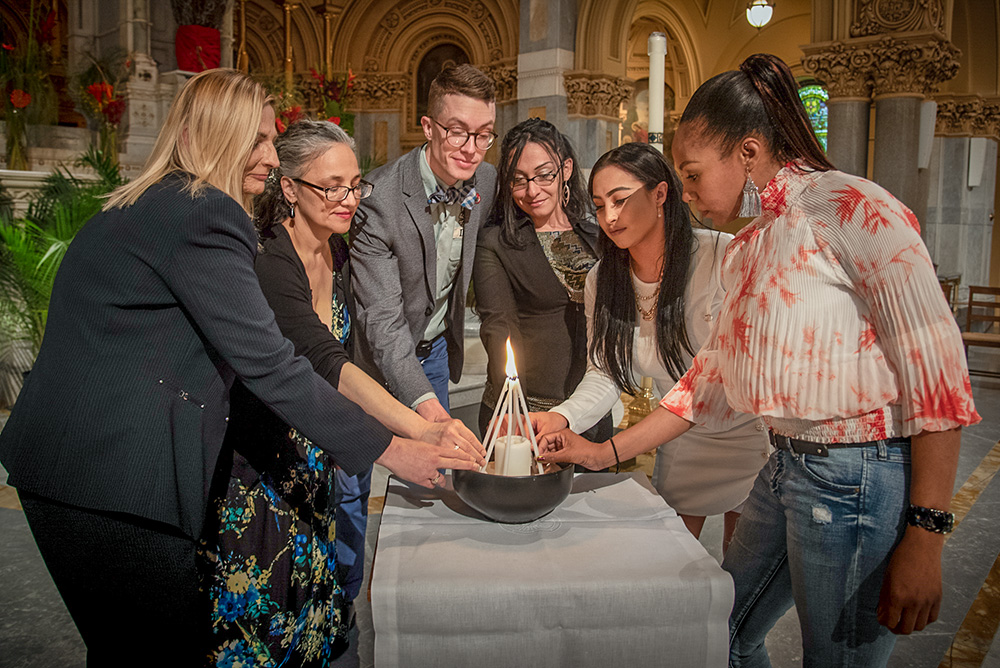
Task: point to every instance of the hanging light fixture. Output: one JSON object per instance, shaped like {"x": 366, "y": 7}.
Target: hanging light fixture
{"x": 759, "y": 12}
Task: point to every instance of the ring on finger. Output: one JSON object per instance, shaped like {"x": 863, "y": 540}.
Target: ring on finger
{"x": 436, "y": 478}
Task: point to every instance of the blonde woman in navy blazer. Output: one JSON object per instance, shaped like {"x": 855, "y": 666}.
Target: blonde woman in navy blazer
{"x": 155, "y": 311}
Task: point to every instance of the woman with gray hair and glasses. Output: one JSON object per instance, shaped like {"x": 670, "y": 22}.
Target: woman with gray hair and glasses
{"x": 290, "y": 554}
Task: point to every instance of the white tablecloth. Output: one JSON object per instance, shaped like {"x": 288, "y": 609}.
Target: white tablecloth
{"x": 610, "y": 578}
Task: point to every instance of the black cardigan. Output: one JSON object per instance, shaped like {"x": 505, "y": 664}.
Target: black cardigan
{"x": 285, "y": 285}
{"x": 518, "y": 294}
{"x": 155, "y": 311}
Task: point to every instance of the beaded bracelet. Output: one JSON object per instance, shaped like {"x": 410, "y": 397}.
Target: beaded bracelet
{"x": 930, "y": 519}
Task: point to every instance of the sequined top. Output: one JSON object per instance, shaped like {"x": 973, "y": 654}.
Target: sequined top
{"x": 570, "y": 258}
{"x": 834, "y": 327}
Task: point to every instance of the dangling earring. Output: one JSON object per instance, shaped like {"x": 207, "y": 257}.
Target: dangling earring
{"x": 565, "y": 196}
{"x": 750, "y": 206}
{"x": 291, "y": 210}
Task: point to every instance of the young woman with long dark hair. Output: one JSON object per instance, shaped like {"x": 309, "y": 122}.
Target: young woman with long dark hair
{"x": 532, "y": 259}
{"x": 835, "y": 330}
{"x": 651, "y": 302}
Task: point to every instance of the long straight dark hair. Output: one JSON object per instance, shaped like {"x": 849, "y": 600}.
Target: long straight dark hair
{"x": 761, "y": 98}
{"x": 614, "y": 307}
{"x": 505, "y": 212}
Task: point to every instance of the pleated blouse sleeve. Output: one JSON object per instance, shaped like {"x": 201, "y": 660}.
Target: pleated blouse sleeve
{"x": 876, "y": 240}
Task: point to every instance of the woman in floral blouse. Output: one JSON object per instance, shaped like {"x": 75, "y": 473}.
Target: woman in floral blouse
{"x": 835, "y": 331}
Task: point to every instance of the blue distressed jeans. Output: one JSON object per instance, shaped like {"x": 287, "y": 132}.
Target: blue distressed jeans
{"x": 817, "y": 532}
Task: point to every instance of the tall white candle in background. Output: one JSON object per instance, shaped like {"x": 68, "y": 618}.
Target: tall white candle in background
{"x": 656, "y": 49}
{"x": 519, "y": 458}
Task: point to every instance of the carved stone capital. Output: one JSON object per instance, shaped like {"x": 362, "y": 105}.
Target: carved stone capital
{"x": 883, "y": 65}
{"x": 379, "y": 91}
{"x": 913, "y": 65}
{"x": 600, "y": 95}
{"x": 968, "y": 116}
{"x": 504, "y": 75}
{"x": 844, "y": 69}
{"x": 879, "y": 17}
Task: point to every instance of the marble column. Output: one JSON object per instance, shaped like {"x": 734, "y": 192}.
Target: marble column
{"x": 546, "y": 50}
{"x": 847, "y": 134}
{"x": 958, "y": 229}
{"x": 143, "y": 112}
{"x": 897, "y": 136}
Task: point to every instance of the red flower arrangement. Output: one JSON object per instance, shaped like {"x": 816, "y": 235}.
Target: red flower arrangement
{"x": 335, "y": 92}
{"x": 19, "y": 98}
{"x": 288, "y": 116}
{"x": 109, "y": 105}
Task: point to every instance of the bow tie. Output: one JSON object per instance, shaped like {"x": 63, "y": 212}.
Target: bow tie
{"x": 465, "y": 196}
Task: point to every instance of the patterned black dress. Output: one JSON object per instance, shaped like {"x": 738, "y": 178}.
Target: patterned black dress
{"x": 273, "y": 576}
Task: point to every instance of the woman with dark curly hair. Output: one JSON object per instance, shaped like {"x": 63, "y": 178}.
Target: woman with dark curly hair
{"x": 532, "y": 259}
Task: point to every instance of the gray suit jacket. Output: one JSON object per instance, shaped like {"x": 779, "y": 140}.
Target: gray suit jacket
{"x": 394, "y": 271}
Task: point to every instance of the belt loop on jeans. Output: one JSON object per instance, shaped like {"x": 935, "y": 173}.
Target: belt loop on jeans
{"x": 882, "y": 446}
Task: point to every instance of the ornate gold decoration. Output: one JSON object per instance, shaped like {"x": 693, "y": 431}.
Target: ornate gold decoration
{"x": 600, "y": 95}
{"x": 379, "y": 91}
{"x": 878, "y": 17}
{"x": 968, "y": 116}
{"x": 504, "y": 76}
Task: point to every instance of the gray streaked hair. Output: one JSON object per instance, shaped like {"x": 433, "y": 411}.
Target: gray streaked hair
{"x": 297, "y": 147}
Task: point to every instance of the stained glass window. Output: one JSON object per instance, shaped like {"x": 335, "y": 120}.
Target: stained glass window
{"x": 814, "y": 99}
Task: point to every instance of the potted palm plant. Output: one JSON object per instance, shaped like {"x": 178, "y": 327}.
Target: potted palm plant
{"x": 31, "y": 249}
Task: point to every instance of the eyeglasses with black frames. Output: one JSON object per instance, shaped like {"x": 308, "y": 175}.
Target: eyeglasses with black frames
{"x": 521, "y": 182}
{"x": 339, "y": 193}
{"x": 458, "y": 137}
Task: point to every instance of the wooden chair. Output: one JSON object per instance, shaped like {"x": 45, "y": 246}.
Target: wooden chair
{"x": 984, "y": 306}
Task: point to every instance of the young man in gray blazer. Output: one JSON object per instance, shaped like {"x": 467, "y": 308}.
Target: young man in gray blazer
{"x": 411, "y": 258}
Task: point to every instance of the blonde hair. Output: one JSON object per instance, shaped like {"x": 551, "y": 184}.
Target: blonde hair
{"x": 210, "y": 131}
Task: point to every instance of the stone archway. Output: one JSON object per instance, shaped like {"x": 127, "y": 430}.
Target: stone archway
{"x": 266, "y": 37}
{"x": 387, "y": 53}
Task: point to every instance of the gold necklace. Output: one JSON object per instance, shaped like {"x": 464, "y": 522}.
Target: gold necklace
{"x": 646, "y": 314}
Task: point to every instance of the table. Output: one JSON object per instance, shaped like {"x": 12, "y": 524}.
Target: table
{"x": 610, "y": 578}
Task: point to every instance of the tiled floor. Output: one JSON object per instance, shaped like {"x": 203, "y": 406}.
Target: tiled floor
{"x": 36, "y": 631}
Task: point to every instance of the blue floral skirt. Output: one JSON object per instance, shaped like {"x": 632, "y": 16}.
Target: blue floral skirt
{"x": 272, "y": 576}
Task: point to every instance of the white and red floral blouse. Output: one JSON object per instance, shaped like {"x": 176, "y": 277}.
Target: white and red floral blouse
{"x": 834, "y": 327}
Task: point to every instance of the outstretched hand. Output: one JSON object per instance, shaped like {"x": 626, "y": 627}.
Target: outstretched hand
{"x": 421, "y": 463}
{"x": 542, "y": 423}
{"x": 567, "y": 447}
{"x": 455, "y": 435}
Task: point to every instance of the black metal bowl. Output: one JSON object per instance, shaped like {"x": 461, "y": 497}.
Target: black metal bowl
{"x": 513, "y": 499}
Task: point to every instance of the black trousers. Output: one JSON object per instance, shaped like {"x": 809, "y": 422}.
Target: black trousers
{"x": 130, "y": 584}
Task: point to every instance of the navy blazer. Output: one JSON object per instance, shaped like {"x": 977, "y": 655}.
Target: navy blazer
{"x": 156, "y": 310}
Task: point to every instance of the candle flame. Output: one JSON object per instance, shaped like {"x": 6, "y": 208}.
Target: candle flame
{"x": 511, "y": 369}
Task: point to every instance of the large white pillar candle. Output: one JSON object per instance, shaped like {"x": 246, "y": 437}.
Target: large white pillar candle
{"x": 518, "y": 461}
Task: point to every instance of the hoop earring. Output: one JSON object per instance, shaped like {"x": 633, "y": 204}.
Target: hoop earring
{"x": 291, "y": 210}
{"x": 750, "y": 206}
{"x": 565, "y": 195}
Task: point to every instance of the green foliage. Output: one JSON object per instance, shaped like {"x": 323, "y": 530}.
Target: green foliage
{"x": 32, "y": 248}
{"x": 368, "y": 163}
